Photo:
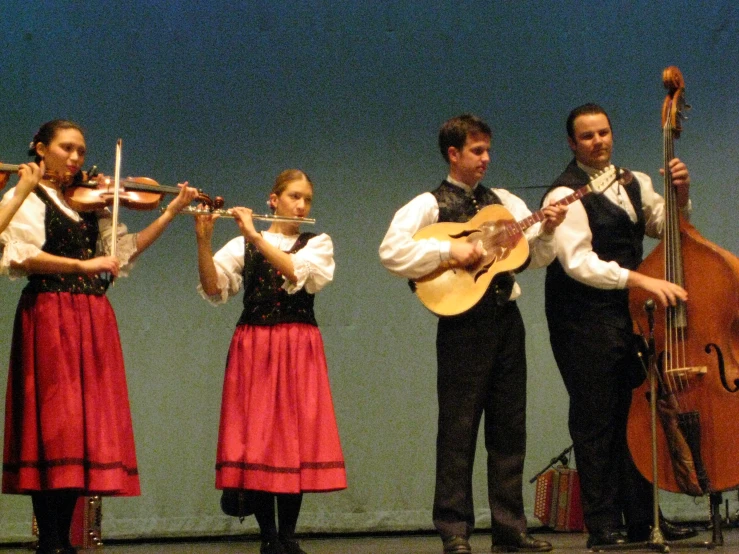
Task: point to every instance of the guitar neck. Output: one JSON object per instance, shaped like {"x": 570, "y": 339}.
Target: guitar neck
{"x": 539, "y": 216}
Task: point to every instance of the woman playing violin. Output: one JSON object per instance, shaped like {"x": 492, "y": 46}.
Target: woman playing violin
{"x": 68, "y": 424}
{"x": 278, "y": 436}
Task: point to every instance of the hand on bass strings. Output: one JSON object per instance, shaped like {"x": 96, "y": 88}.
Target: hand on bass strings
{"x": 667, "y": 293}
{"x": 680, "y": 180}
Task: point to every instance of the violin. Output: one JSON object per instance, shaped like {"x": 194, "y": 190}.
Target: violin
{"x": 96, "y": 191}
{"x": 52, "y": 176}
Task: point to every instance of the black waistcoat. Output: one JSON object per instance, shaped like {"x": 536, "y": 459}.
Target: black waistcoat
{"x": 70, "y": 239}
{"x": 459, "y": 206}
{"x": 265, "y": 301}
{"x": 614, "y": 238}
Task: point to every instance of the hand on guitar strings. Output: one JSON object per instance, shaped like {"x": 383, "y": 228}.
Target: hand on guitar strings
{"x": 554, "y": 215}
{"x": 464, "y": 254}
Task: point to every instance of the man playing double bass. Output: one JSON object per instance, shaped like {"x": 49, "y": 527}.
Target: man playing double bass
{"x": 599, "y": 247}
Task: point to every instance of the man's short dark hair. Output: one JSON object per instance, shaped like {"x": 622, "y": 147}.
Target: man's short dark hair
{"x": 454, "y": 132}
{"x": 585, "y": 109}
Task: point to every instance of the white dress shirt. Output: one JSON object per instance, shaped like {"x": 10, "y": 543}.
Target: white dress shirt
{"x": 573, "y": 238}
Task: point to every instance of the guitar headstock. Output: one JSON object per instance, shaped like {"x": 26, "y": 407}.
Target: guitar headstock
{"x": 600, "y": 182}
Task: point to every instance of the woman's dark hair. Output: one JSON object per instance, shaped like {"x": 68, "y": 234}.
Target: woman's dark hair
{"x": 47, "y": 132}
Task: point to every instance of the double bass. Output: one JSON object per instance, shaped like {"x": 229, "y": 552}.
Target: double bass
{"x": 696, "y": 348}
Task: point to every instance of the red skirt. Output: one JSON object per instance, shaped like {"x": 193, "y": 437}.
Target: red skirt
{"x": 278, "y": 430}
{"x": 67, "y": 417}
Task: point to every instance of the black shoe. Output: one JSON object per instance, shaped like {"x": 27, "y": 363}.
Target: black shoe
{"x": 290, "y": 546}
{"x": 606, "y": 537}
{"x": 456, "y": 544}
{"x": 673, "y": 532}
{"x": 670, "y": 532}
{"x": 639, "y": 532}
{"x": 271, "y": 547}
{"x": 522, "y": 543}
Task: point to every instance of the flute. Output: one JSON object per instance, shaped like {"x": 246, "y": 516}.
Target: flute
{"x": 190, "y": 210}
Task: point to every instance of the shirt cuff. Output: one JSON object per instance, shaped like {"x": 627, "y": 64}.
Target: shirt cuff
{"x": 302, "y": 269}
{"x": 445, "y": 248}
{"x": 221, "y": 296}
{"x": 622, "y": 278}
{"x": 546, "y": 237}
{"x": 17, "y": 252}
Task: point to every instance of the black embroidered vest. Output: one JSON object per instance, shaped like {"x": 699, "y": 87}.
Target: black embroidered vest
{"x": 614, "y": 238}
{"x": 458, "y": 206}
{"x": 265, "y": 301}
{"x": 70, "y": 239}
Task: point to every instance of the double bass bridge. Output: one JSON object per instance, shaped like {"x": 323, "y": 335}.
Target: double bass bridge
{"x": 680, "y": 372}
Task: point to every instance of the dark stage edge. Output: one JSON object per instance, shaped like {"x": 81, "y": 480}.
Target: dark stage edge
{"x": 390, "y": 544}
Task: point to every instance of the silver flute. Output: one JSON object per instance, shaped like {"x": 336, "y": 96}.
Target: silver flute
{"x": 190, "y": 210}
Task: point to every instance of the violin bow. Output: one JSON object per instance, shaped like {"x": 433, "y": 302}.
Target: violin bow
{"x": 116, "y": 199}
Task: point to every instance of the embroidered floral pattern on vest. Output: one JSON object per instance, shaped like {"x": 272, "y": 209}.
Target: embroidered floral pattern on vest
{"x": 265, "y": 301}
{"x": 70, "y": 239}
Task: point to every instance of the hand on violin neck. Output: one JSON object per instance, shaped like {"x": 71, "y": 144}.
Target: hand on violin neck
{"x": 30, "y": 174}
{"x": 183, "y": 199}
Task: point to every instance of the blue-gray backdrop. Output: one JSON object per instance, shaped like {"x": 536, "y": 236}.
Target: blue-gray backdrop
{"x": 226, "y": 94}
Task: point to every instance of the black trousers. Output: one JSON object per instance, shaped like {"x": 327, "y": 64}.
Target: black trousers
{"x": 481, "y": 359}
{"x": 595, "y": 361}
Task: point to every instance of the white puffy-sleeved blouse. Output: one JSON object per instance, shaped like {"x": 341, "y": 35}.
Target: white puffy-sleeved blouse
{"x": 314, "y": 265}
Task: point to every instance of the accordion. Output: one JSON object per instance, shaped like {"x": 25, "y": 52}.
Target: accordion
{"x": 557, "y": 504}
{"x": 86, "y": 531}
{"x": 87, "y": 519}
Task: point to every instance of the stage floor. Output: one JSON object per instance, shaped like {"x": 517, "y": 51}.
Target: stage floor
{"x": 396, "y": 544}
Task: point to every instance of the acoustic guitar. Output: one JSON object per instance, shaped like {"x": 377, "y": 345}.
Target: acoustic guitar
{"x": 452, "y": 290}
